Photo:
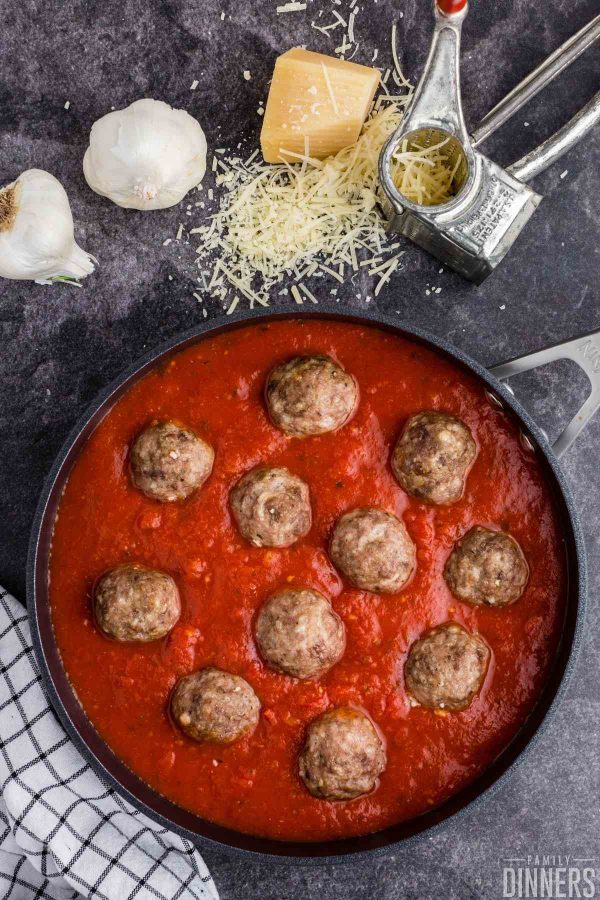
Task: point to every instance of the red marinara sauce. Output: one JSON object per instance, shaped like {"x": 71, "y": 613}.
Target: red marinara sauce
{"x": 216, "y": 387}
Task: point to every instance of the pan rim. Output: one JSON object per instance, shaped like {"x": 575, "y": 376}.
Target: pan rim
{"x": 249, "y": 846}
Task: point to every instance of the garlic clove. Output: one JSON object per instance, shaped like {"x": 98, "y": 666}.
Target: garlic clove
{"x": 37, "y": 240}
{"x": 147, "y": 156}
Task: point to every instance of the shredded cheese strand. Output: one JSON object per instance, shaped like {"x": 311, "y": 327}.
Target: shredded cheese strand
{"x": 336, "y": 108}
{"x": 425, "y": 175}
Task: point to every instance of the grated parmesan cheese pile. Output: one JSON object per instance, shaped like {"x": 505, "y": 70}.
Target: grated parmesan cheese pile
{"x": 318, "y": 216}
{"x": 311, "y": 219}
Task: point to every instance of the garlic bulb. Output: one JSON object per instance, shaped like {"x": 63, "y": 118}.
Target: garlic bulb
{"x": 36, "y": 232}
{"x": 147, "y": 156}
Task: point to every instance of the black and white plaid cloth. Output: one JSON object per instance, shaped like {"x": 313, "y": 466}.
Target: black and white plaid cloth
{"x": 63, "y": 832}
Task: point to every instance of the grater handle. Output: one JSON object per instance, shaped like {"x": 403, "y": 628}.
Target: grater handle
{"x": 436, "y": 102}
{"x": 583, "y": 350}
{"x": 450, "y": 7}
{"x": 560, "y": 143}
{"x": 556, "y": 63}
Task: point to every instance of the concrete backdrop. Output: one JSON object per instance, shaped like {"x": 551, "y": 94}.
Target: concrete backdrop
{"x": 59, "y": 345}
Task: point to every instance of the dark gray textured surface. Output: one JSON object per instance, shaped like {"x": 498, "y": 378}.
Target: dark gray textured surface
{"x": 60, "y": 345}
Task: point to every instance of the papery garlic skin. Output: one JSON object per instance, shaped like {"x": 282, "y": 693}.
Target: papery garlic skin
{"x": 37, "y": 241}
{"x": 147, "y": 156}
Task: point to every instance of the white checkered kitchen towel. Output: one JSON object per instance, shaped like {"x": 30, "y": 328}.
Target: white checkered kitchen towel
{"x": 63, "y": 832}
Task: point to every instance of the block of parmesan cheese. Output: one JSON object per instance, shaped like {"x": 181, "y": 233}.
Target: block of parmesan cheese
{"x": 317, "y": 105}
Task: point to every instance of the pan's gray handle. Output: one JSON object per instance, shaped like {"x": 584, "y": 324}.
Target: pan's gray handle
{"x": 585, "y": 351}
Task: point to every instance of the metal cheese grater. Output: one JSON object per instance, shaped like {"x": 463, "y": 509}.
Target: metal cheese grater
{"x": 474, "y": 230}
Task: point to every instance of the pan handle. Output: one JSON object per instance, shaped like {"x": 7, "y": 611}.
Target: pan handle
{"x": 585, "y": 351}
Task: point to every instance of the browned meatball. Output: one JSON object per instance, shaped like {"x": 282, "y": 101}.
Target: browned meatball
{"x": 169, "y": 462}
{"x": 310, "y": 395}
{"x": 298, "y": 633}
{"x": 271, "y": 507}
{"x": 446, "y": 667}
{"x": 132, "y": 603}
{"x": 216, "y": 706}
{"x": 433, "y": 456}
{"x": 343, "y": 755}
{"x": 487, "y": 568}
{"x": 373, "y": 549}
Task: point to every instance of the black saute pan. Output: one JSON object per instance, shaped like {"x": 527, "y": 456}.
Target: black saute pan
{"x": 584, "y": 350}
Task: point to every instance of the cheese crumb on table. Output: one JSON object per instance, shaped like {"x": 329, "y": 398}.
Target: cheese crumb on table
{"x": 293, "y": 6}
